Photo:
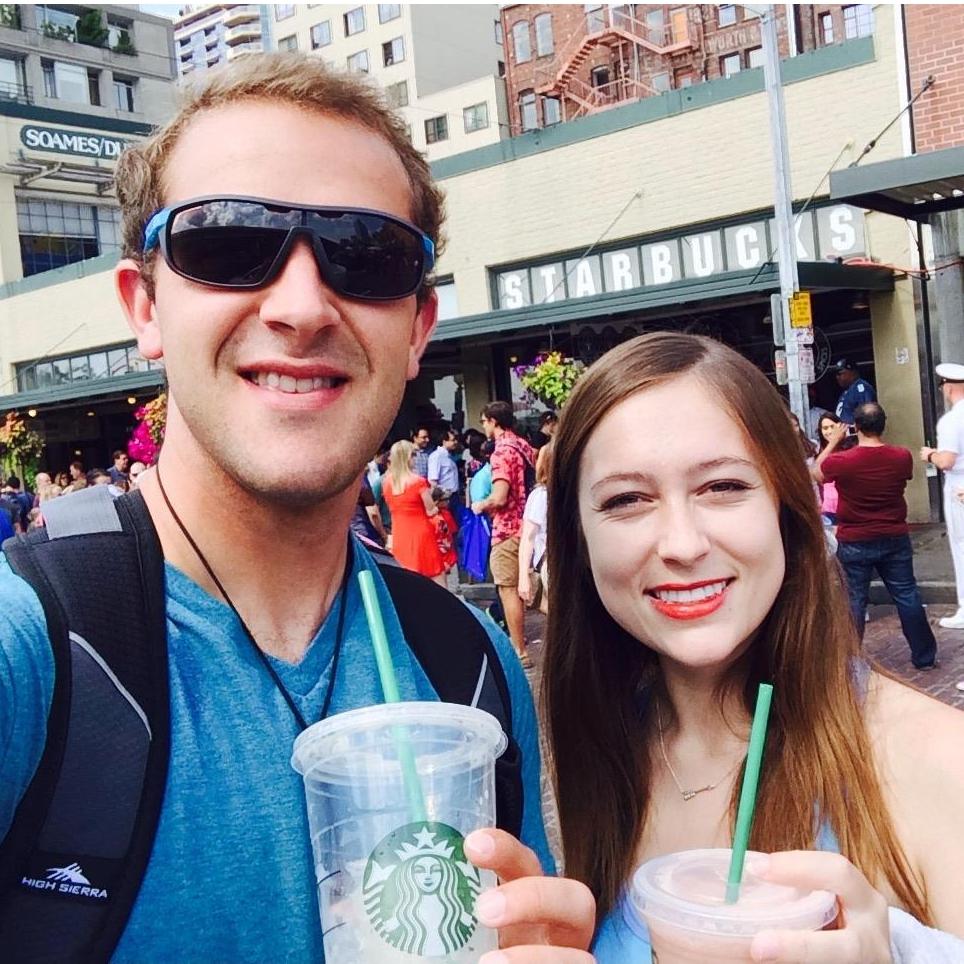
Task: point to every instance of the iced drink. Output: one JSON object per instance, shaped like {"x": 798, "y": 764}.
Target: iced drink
{"x": 682, "y": 898}
{"x": 394, "y": 884}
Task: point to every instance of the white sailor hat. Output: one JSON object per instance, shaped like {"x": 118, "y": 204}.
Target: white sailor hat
{"x": 950, "y": 371}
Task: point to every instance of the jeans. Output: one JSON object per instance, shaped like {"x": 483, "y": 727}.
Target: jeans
{"x": 893, "y": 558}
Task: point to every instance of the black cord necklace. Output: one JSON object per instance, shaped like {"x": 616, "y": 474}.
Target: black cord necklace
{"x": 339, "y": 633}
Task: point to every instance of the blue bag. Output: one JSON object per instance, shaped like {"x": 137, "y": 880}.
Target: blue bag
{"x": 474, "y": 543}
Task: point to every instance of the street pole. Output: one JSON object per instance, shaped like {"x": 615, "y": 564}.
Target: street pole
{"x": 783, "y": 211}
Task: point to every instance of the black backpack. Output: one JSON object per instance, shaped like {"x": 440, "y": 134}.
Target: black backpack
{"x": 97, "y": 794}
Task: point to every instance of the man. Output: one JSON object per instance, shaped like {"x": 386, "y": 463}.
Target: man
{"x": 134, "y": 473}
{"x": 505, "y": 505}
{"x": 421, "y": 439}
{"x": 118, "y": 471}
{"x": 264, "y": 360}
{"x": 442, "y": 470}
{"x": 949, "y": 458}
{"x": 22, "y": 500}
{"x": 872, "y": 525}
{"x": 854, "y": 390}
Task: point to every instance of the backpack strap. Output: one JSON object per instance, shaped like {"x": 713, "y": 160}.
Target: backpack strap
{"x": 72, "y": 863}
{"x": 463, "y": 665}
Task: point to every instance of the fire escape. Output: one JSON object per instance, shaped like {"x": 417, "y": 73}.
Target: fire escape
{"x": 627, "y": 38}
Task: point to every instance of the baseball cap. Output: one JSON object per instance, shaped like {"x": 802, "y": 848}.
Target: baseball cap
{"x": 950, "y": 371}
{"x": 844, "y": 364}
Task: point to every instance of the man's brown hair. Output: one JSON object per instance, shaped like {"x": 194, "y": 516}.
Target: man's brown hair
{"x": 297, "y": 80}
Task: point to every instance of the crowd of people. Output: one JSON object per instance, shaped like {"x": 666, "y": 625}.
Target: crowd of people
{"x": 683, "y": 573}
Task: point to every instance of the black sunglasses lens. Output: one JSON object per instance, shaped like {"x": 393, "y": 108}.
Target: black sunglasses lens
{"x": 369, "y": 256}
{"x": 226, "y": 255}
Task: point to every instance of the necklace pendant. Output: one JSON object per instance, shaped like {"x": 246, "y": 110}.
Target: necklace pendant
{"x": 689, "y": 794}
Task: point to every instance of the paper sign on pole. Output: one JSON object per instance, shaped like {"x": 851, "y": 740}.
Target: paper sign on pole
{"x": 803, "y": 336}
{"x": 807, "y": 369}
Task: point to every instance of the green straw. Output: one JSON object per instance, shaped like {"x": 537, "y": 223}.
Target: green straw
{"x": 751, "y": 779}
{"x": 386, "y": 673}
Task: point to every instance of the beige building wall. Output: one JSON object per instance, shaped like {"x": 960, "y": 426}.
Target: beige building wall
{"x": 452, "y": 102}
{"x": 701, "y": 165}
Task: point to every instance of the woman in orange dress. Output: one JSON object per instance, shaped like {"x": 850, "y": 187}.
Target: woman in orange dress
{"x": 409, "y": 498}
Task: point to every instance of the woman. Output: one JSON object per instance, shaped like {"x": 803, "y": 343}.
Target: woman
{"x": 685, "y": 572}
{"x": 532, "y": 542}
{"x": 63, "y": 480}
{"x": 828, "y": 490}
{"x": 409, "y": 498}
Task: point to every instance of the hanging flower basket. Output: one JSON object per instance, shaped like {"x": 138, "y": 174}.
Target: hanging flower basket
{"x": 146, "y": 439}
{"x": 550, "y": 378}
{"x": 20, "y": 446}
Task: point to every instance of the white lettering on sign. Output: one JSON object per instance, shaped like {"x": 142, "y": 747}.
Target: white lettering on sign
{"x": 748, "y": 251}
{"x": 585, "y": 282}
{"x": 843, "y": 237}
{"x": 72, "y": 142}
{"x": 621, "y": 267}
{"x": 661, "y": 261}
{"x": 549, "y": 282}
{"x": 831, "y": 231}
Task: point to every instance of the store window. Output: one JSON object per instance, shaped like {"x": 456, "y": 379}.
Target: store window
{"x": 476, "y": 117}
{"x": 520, "y": 42}
{"x": 13, "y": 81}
{"x": 124, "y": 94}
{"x": 527, "y": 110}
{"x": 729, "y": 65}
{"x": 288, "y": 43}
{"x": 57, "y": 233}
{"x": 437, "y": 129}
{"x": 354, "y": 21}
{"x": 754, "y": 57}
{"x": 71, "y": 82}
{"x": 551, "y": 111}
{"x": 358, "y": 63}
{"x": 393, "y": 51}
{"x": 397, "y": 94}
{"x": 321, "y": 34}
{"x": 826, "y": 28}
{"x": 110, "y": 362}
{"x": 284, "y": 10}
{"x": 389, "y": 11}
{"x": 858, "y": 20}
{"x": 543, "y": 25}
{"x": 726, "y": 14}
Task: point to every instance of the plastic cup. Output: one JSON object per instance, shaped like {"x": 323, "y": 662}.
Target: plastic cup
{"x": 682, "y": 898}
{"x": 394, "y": 885}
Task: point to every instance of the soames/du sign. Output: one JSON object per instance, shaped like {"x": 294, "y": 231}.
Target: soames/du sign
{"x": 83, "y": 144}
{"x": 835, "y": 231}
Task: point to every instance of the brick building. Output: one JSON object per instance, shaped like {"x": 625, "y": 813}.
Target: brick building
{"x": 564, "y": 61}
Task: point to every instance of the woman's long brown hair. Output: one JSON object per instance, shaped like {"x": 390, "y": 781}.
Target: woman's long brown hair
{"x": 818, "y": 764}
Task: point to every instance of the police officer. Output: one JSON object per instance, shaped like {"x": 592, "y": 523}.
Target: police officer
{"x": 855, "y": 391}
{"x": 949, "y": 458}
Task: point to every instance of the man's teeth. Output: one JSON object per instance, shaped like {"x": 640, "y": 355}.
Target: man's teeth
{"x": 691, "y": 595}
{"x": 292, "y": 385}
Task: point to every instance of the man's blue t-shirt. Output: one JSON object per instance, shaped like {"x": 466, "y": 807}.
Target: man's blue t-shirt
{"x": 231, "y": 876}
{"x": 852, "y": 398}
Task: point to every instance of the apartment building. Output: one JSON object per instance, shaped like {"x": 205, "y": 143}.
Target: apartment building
{"x": 206, "y": 35}
{"x": 439, "y": 64}
{"x": 78, "y": 84}
{"x": 566, "y": 61}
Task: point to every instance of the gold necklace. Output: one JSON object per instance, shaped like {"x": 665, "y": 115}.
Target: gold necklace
{"x": 686, "y": 794}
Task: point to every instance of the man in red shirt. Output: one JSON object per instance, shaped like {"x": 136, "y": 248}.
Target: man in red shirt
{"x": 872, "y": 525}
{"x": 505, "y": 506}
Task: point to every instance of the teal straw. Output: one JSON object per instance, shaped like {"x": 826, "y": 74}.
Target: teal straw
{"x": 751, "y": 780}
{"x": 386, "y": 673}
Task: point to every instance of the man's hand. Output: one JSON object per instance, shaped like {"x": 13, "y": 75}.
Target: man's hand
{"x": 478, "y": 507}
{"x": 926, "y": 452}
{"x": 525, "y": 587}
{"x": 541, "y": 920}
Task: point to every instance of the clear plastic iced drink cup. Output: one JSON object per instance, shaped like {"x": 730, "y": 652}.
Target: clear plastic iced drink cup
{"x": 394, "y": 885}
{"x": 682, "y": 898}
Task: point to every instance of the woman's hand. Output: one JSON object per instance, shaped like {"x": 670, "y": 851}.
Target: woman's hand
{"x": 862, "y": 934}
{"x": 540, "y": 919}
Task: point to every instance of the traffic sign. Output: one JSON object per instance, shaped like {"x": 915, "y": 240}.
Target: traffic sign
{"x": 801, "y": 315}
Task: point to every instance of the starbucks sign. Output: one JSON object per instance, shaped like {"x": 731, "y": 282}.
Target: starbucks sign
{"x": 80, "y": 143}
{"x": 836, "y": 231}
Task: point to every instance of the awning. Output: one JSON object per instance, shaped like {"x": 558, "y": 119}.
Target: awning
{"x": 815, "y": 276}
{"x": 82, "y": 391}
{"x": 909, "y": 187}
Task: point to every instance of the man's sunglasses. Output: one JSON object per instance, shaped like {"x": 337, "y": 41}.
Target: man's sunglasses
{"x": 244, "y": 242}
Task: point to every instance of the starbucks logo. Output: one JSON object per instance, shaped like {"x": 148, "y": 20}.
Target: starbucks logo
{"x": 420, "y": 891}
